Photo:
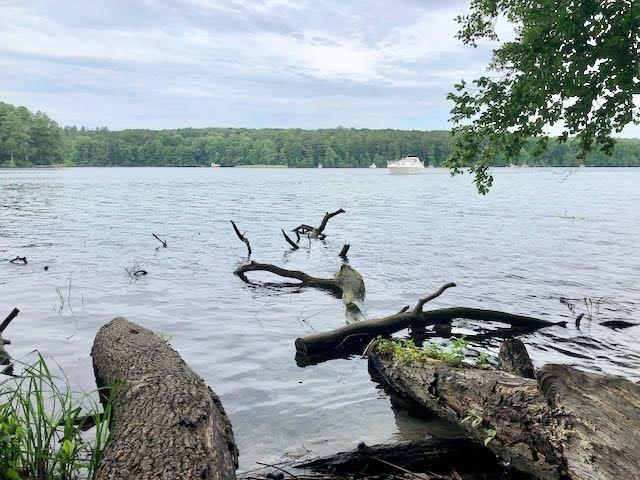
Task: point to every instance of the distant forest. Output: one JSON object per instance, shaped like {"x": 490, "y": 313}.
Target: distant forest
{"x": 32, "y": 139}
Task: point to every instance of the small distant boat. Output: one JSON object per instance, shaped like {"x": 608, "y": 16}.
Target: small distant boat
{"x": 406, "y": 165}
{"x": 373, "y": 165}
{"x": 215, "y": 165}
{"x": 319, "y": 165}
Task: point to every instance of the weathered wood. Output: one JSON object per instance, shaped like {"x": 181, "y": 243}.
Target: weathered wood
{"x": 433, "y": 455}
{"x": 355, "y": 334}
{"x": 347, "y": 282}
{"x": 514, "y": 358}
{"x": 5, "y": 323}
{"x": 567, "y": 424}
{"x": 344, "y": 251}
{"x": 167, "y": 424}
{"x": 242, "y": 237}
{"x": 317, "y": 232}
{"x": 293, "y": 244}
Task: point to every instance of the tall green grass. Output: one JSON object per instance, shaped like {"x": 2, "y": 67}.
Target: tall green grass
{"x": 41, "y": 427}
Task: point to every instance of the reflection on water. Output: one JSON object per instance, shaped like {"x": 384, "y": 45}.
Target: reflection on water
{"x": 530, "y": 243}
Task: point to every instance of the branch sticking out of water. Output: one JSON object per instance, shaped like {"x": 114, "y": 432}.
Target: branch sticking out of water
{"x": 242, "y": 237}
{"x": 163, "y": 242}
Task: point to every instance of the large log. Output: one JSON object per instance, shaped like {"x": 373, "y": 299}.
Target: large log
{"x": 167, "y": 423}
{"x": 568, "y": 424}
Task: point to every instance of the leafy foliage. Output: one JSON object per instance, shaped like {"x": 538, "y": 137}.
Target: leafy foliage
{"x": 407, "y": 351}
{"x": 572, "y": 65}
{"x": 40, "y": 428}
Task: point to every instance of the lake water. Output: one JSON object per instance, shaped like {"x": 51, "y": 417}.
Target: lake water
{"x": 538, "y": 236}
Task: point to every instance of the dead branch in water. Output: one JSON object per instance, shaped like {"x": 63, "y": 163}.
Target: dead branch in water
{"x": 344, "y": 251}
{"x": 21, "y": 260}
{"x": 350, "y": 337}
{"x": 242, "y": 237}
{"x": 163, "y": 242}
{"x": 289, "y": 241}
{"x": 318, "y": 232}
{"x": 5, "y": 323}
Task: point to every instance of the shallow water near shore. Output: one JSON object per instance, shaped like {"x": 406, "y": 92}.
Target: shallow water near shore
{"x": 538, "y": 244}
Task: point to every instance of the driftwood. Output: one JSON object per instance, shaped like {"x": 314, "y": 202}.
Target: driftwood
{"x": 567, "y": 424}
{"x": 433, "y": 455}
{"x": 20, "y": 260}
{"x": 344, "y": 251}
{"x": 163, "y": 242}
{"x": 293, "y": 244}
{"x": 5, "y": 358}
{"x": 166, "y": 422}
{"x": 353, "y": 336}
{"x": 317, "y": 232}
{"x": 347, "y": 282}
{"x": 515, "y": 359}
{"x": 242, "y": 237}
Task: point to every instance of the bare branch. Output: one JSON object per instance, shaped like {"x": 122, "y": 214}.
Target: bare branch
{"x": 242, "y": 237}
{"x": 440, "y": 291}
{"x": 163, "y": 242}
{"x": 289, "y": 241}
{"x": 7, "y": 321}
{"x": 344, "y": 251}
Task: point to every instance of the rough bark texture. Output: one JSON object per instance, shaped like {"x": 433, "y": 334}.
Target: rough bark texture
{"x": 5, "y": 358}
{"x": 434, "y": 455}
{"x": 167, "y": 424}
{"x": 599, "y": 419}
{"x": 355, "y": 334}
{"x": 567, "y": 424}
{"x": 515, "y": 359}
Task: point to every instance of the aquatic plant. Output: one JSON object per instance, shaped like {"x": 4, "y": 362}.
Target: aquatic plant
{"x": 42, "y": 424}
{"x": 406, "y": 350}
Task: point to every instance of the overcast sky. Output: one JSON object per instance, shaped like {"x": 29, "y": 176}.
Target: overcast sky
{"x": 249, "y": 63}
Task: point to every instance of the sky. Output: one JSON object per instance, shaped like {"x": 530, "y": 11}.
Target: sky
{"x": 236, "y": 63}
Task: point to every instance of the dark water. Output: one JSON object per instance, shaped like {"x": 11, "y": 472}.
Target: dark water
{"x": 533, "y": 240}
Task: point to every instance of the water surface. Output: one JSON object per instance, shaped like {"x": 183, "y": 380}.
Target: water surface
{"x": 537, "y": 237}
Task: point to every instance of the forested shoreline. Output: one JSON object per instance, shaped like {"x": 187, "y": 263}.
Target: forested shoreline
{"x": 33, "y": 139}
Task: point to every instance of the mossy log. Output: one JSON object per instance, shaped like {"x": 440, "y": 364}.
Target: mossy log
{"x": 167, "y": 424}
{"x": 354, "y": 335}
{"x": 515, "y": 359}
{"x": 347, "y": 282}
{"x": 565, "y": 424}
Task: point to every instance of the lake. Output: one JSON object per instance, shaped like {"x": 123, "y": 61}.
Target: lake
{"x": 539, "y": 237}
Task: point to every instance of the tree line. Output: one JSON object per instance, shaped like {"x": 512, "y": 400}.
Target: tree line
{"x": 33, "y": 139}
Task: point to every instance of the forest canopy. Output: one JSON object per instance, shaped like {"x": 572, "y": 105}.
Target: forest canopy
{"x": 33, "y": 139}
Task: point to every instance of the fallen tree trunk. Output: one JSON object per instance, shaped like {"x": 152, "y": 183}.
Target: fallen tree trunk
{"x": 352, "y": 336}
{"x": 166, "y": 423}
{"x": 567, "y": 424}
{"x": 347, "y": 282}
{"x": 432, "y": 455}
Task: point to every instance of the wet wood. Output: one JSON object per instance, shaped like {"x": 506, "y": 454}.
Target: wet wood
{"x": 167, "y": 423}
{"x": 350, "y": 337}
{"x": 293, "y": 244}
{"x": 317, "y": 232}
{"x": 565, "y": 424}
{"x": 9, "y": 318}
{"x": 347, "y": 282}
{"x": 242, "y": 237}
{"x": 514, "y": 358}
{"x": 433, "y": 455}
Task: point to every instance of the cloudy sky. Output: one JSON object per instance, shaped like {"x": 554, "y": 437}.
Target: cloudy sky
{"x": 250, "y": 63}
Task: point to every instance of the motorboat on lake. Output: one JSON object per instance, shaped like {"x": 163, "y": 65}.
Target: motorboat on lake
{"x": 406, "y": 165}
{"x": 215, "y": 165}
{"x": 373, "y": 165}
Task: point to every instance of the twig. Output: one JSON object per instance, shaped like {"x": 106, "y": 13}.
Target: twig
{"x": 163, "y": 242}
{"x": 241, "y": 237}
{"x": 344, "y": 251}
{"x": 578, "y": 319}
{"x": 409, "y": 472}
{"x": 436, "y": 294}
{"x": 277, "y": 468}
{"x": 289, "y": 241}
{"x": 22, "y": 260}
{"x": 10, "y": 317}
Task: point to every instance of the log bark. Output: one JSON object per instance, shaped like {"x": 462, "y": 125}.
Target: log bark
{"x": 567, "y": 424}
{"x": 347, "y": 282}
{"x": 350, "y": 337}
{"x": 432, "y": 455}
{"x": 514, "y": 358}
{"x": 167, "y": 423}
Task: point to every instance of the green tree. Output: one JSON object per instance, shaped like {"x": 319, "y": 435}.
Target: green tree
{"x": 573, "y": 64}
{"x": 14, "y": 139}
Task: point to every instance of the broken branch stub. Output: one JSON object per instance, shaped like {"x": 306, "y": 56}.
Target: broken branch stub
{"x": 242, "y": 237}
{"x": 317, "y": 232}
{"x": 289, "y": 241}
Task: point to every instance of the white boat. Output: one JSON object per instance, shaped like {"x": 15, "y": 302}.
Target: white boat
{"x": 406, "y": 165}
{"x": 319, "y": 165}
{"x": 373, "y": 165}
{"x": 215, "y": 165}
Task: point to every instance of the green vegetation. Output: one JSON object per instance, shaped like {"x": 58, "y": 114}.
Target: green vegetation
{"x": 28, "y": 139}
{"x": 407, "y": 351}
{"x": 572, "y": 65}
{"x": 41, "y": 428}
{"x": 476, "y": 421}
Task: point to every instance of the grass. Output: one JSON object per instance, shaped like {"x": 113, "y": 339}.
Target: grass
{"x": 406, "y": 350}
{"x": 41, "y": 425}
